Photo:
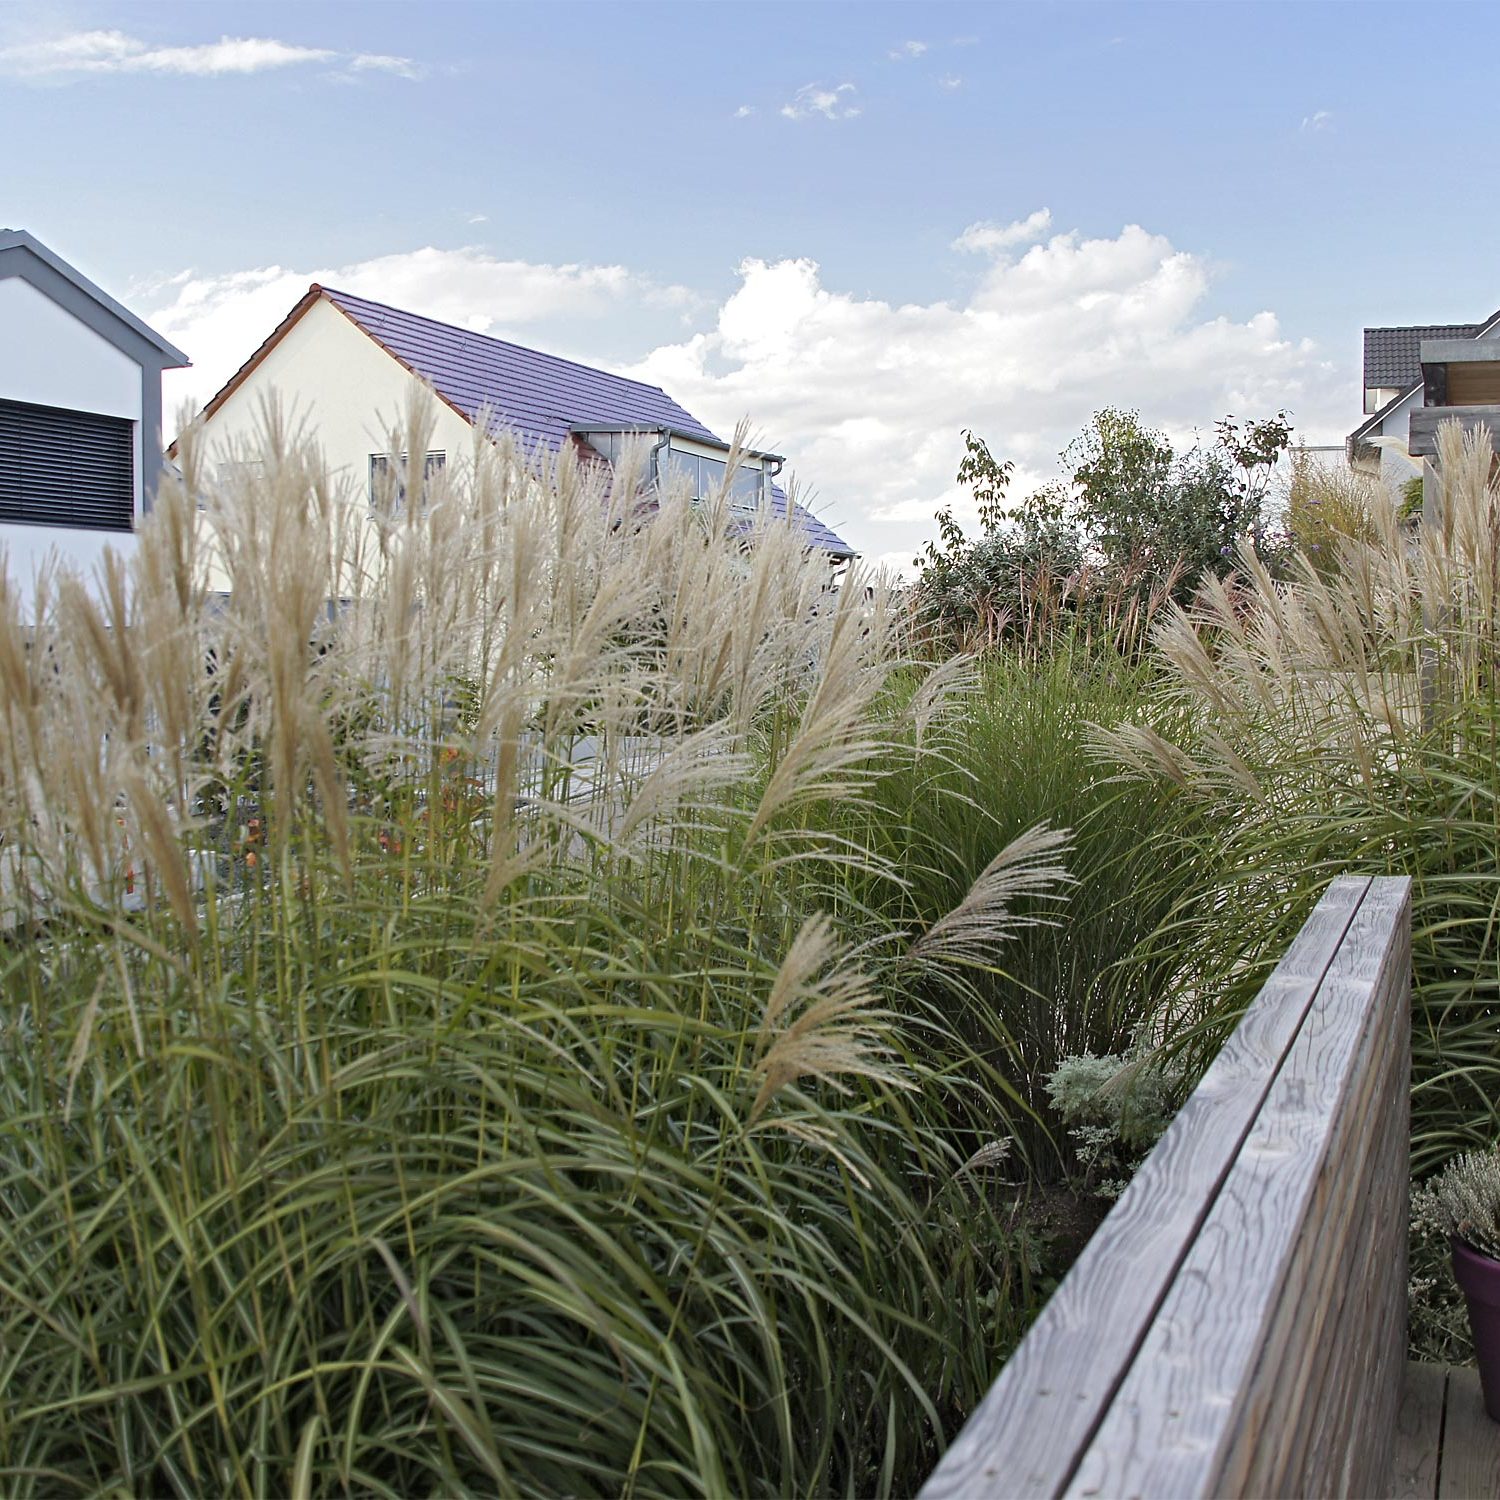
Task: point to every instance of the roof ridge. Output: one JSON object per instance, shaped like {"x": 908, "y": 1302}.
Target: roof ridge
{"x": 1405, "y": 327}
{"x": 490, "y": 338}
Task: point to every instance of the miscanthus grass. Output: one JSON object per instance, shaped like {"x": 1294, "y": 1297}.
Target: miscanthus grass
{"x": 445, "y": 1045}
{"x": 1079, "y": 977}
{"x": 1347, "y": 720}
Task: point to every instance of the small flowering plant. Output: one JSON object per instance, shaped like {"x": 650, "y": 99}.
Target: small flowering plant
{"x": 1464, "y": 1201}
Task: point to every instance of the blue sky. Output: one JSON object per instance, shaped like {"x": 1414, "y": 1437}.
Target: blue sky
{"x": 865, "y": 226}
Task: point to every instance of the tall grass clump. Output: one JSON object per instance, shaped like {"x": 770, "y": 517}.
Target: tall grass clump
{"x": 1347, "y": 720}
{"x": 448, "y": 1045}
{"x": 1020, "y": 754}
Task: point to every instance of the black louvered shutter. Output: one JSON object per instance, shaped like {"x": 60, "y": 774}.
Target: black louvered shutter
{"x": 66, "y": 468}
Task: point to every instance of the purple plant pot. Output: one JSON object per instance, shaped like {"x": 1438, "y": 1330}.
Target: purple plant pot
{"x": 1478, "y": 1279}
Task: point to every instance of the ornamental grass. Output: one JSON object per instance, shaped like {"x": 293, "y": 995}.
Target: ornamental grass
{"x": 1347, "y": 720}
{"x": 447, "y": 1044}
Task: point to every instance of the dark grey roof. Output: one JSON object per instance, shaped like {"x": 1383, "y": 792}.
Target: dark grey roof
{"x": 13, "y": 240}
{"x": 1392, "y": 355}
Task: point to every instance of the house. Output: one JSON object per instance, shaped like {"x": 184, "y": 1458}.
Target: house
{"x": 349, "y": 367}
{"x": 80, "y": 411}
{"x": 1395, "y": 389}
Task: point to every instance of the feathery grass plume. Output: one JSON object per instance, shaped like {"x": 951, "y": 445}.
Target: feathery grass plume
{"x": 1346, "y": 720}
{"x": 970, "y": 933}
{"x": 469, "y": 790}
{"x": 825, "y": 1026}
{"x": 833, "y": 742}
{"x": 688, "y": 780}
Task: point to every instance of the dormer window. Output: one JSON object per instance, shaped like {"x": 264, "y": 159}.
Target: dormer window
{"x": 704, "y": 477}
{"x": 680, "y": 459}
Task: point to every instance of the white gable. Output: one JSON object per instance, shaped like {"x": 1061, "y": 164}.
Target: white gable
{"x": 335, "y": 379}
{"x": 49, "y": 358}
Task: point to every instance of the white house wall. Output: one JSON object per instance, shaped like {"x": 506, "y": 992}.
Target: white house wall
{"x": 347, "y": 391}
{"x": 49, "y": 358}
{"x": 1395, "y": 467}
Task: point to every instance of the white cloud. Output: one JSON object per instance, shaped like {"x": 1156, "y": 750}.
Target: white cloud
{"x": 908, "y": 50}
{"x": 83, "y": 53}
{"x": 868, "y": 397}
{"x": 815, "y": 99}
{"x": 1317, "y": 121}
{"x": 380, "y": 62}
{"x": 477, "y": 219}
{"x": 951, "y": 82}
{"x": 986, "y": 235}
{"x": 744, "y": 112}
{"x": 219, "y": 321}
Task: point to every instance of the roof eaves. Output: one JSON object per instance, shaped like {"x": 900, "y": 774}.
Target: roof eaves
{"x": 670, "y": 431}
{"x": 1375, "y": 418}
{"x": 20, "y": 239}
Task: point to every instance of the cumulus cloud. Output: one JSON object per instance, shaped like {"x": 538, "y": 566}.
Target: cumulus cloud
{"x": 950, "y": 82}
{"x": 988, "y": 236}
{"x": 744, "y": 112}
{"x": 219, "y": 321}
{"x": 868, "y": 397}
{"x": 828, "y": 103}
{"x": 908, "y": 50}
{"x": 81, "y": 54}
{"x": 1320, "y": 120}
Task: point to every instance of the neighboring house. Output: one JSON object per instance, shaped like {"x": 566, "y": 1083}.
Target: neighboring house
{"x": 349, "y": 367}
{"x": 1394, "y": 390}
{"x": 80, "y": 411}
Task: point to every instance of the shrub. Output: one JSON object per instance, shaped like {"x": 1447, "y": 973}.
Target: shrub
{"x": 1464, "y": 1201}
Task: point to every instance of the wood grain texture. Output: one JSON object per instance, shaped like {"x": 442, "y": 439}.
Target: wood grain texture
{"x": 1263, "y": 1246}
{"x": 1027, "y": 1436}
{"x": 1419, "y": 1433}
{"x": 1425, "y": 420}
{"x": 1227, "y": 1395}
{"x": 1470, "y": 1467}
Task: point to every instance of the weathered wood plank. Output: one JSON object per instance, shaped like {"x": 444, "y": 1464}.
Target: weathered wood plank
{"x": 1331, "y": 1430}
{"x": 1029, "y": 1433}
{"x": 1421, "y": 440}
{"x": 1471, "y": 1442}
{"x": 1223, "y": 1370}
{"x": 1419, "y": 1432}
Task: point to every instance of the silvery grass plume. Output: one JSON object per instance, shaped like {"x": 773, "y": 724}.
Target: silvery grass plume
{"x": 498, "y": 615}
{"x": 1330, "y": 665}
{"x": 822, "y": 1022}
{"x": 393, "y": 881}
{"x": 972, "y": 933}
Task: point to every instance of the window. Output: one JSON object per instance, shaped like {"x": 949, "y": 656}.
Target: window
{"x": 66, "y": 468}
{"x": 704, "y": 477}
{"x": 386, "y": 487}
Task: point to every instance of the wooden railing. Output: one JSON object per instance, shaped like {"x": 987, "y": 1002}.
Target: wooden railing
{"x": 1237, "y": 1325}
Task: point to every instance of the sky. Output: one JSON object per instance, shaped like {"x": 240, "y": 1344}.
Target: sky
{"x": 865, "y": 227}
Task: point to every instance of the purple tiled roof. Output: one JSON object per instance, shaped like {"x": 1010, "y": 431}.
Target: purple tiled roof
{"x": 539, "y": 396}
